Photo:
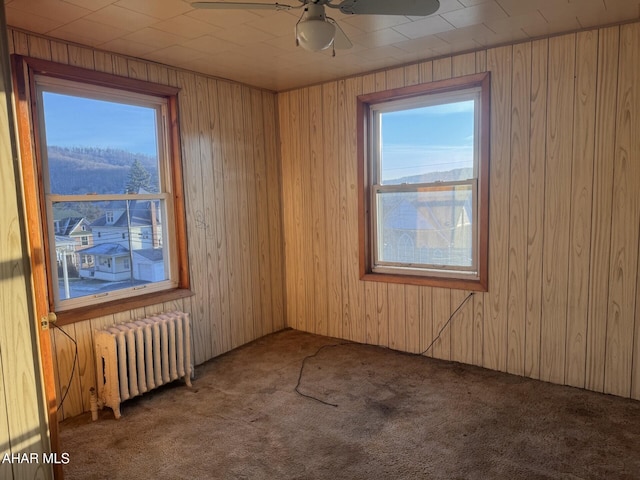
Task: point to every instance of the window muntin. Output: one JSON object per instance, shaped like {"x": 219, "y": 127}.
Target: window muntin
{"x": 117, "y": 207}
{"x": 424, "y": 190}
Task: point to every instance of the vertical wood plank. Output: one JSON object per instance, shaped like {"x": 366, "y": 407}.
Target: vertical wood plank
{"x": 192, "y": 170}
{"x": 252, "y": 148}
{"x": 318, "y": 214}
{"x": 499, "y": 63}
{"x": 242, "y": 151}
{"x": 39, "y": 47}
{"x": 86, "y": 365}
{"x": 370, "y": 312}
{"x": 412, "y": 296}
{"x": 382, "y": 313}
{"x": 411, "y": 75}
{"x": 137, "y": 69}
{"x": 305, "y": 235}
{"x": 556, "y": 209}
{"x": 332, "y": 207}
{"x": 217, "y": 252}
{"x": 274, "y": 202}
{"x": 518, "y": 205}
{"x": 535, "y": 223}
{"x": 289, "y": 202}
{"x": 59, "y": 52}
{"x": 394, "y": 78}
{"x": 397, "y": 316}
{"x": 296, "y": 226}
{"x": 80, "y": 56}
{"x": 70, "y": 387}
{"x": 625, "y": 219}
{"x": 157, "y": 73}
{"x": 20, "y": 43}
{"x": 209, "y": 304}
{"x": 442, "y": 321}
{"x": 103, "y": 62}
{"x": 581, "y": 201}
{"x": 605, "y": 135}
{"x": 358, "y": 327}
{"x": 261, "y": 218}
{"x": 232, "y": 178}
{"x": 427, "y": 333}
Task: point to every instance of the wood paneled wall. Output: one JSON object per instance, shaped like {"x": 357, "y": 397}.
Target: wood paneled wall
{"x": 23, "y": 416}
{"x": 234, "y": 228}
{"x": 562, "y": 304}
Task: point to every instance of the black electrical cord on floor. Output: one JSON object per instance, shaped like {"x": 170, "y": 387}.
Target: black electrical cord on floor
{"x": 73, "y": 368}
{"x": 304, "y": 361}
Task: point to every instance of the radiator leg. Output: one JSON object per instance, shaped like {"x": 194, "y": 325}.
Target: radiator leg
{"x": 94, "y": 404}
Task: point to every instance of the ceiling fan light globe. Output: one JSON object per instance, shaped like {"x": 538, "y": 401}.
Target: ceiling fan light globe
{"x": 315, "y": 35}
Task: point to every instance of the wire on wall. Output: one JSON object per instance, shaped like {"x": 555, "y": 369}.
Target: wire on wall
{"x": 446, "y": 323}
{"x": 73, "y": 368}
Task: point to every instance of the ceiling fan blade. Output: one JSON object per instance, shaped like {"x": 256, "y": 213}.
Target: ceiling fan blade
{"x": 241, "y": 6}
{"x": 417, "y": 8}
{"x": 340, "y": 39}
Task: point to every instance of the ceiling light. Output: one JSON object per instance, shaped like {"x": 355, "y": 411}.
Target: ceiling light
{"x": 313, "y": 31}
{"x": 315, "y": 35}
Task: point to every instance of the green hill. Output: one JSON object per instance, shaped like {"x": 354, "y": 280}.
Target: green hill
{"x": 77, "y": 171}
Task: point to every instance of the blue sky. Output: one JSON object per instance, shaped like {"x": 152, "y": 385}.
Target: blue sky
{"x": 81, "y": 122}
{"x": 428, "y": 139}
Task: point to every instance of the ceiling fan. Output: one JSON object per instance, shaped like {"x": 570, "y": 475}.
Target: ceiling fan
{"x": 315, "y": 31}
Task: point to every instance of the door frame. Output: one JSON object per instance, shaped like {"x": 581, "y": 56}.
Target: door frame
{"x": 31, "y": 184}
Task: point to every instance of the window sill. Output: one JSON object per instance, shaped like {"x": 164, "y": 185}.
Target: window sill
{"x": 476, "y": 285}
{"x": 85, "y": 313}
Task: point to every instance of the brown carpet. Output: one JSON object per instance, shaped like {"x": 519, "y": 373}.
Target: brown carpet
{"x": 398, "y": 416}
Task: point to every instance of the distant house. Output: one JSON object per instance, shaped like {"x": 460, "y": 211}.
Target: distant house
{"x": 112, "y": 262}
{"x": 148, "y": 264}
{"x": 437, "y": 231}
{"x": 127, "y": 243}
{"x": 77, "y": 230}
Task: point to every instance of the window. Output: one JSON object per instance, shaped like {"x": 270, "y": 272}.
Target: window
{"x": 424, "y": 175}
{"x": 107, "y": 151}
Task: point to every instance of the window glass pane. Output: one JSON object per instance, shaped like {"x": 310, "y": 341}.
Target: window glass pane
{"x": 433, "y": 227}
{"x": 124, "y": 246}
{"x": 97, "y": 146}
{"x": 427, "y": 144}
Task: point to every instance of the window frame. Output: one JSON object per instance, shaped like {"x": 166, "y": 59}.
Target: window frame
{"x": 367, "y": 186}
{"x": 25, "y": 70}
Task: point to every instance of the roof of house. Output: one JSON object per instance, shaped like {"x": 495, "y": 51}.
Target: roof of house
{"x": 67, "y": 224}
{"x": 112, "y": 249}
{"x": 153, "y": 254}
{"x": 139, "y": 213}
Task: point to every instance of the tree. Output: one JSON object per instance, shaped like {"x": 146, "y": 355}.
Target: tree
{"x": 139, "y": 178}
